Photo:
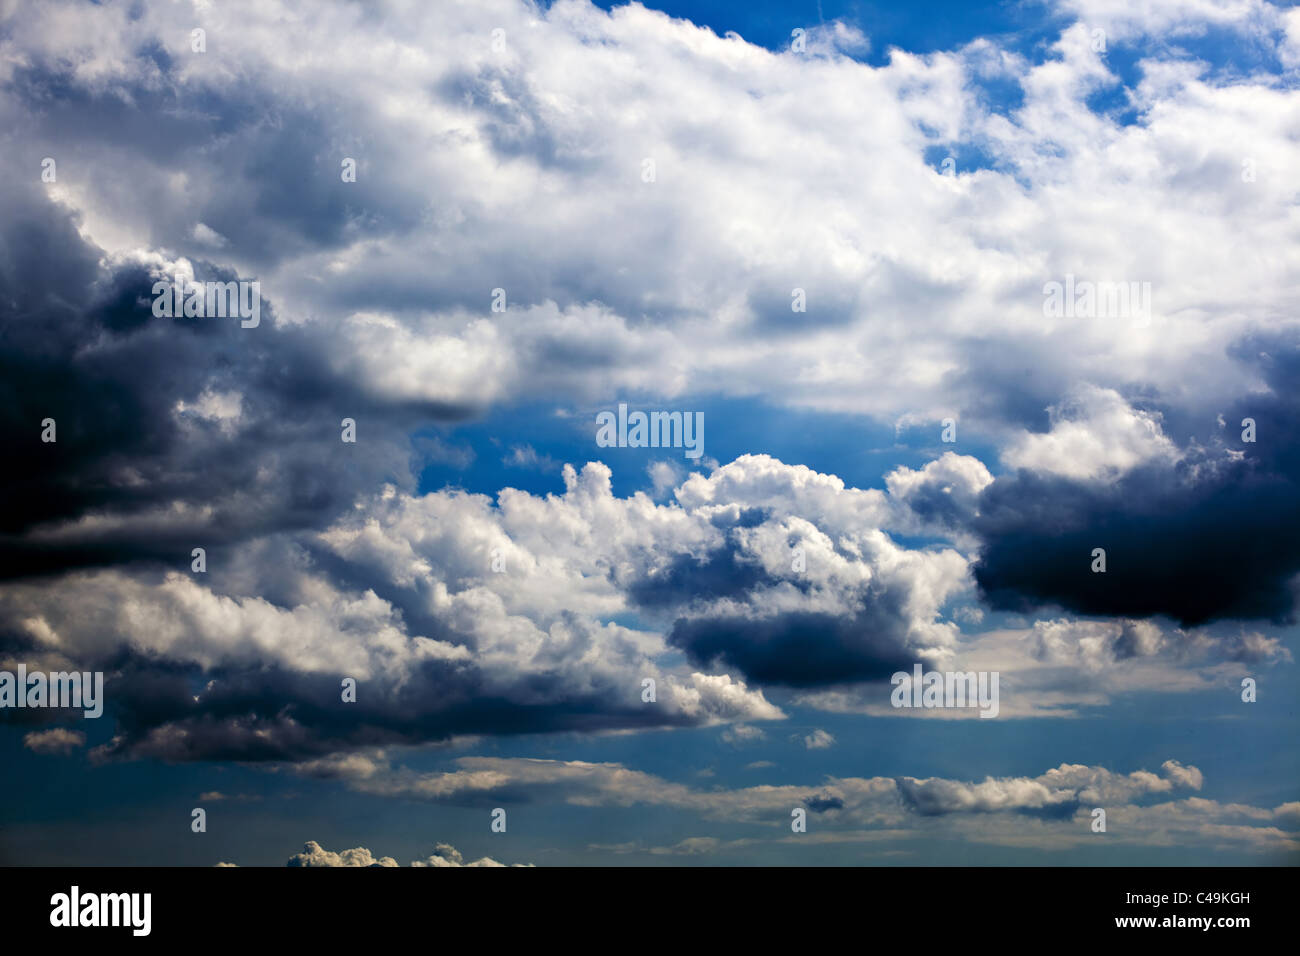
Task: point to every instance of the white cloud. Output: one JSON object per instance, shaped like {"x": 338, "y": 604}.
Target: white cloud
{"x": 1063, "y": 667}
{"x": 1005, "y": 809}
{"x": 924, "y": 290}
{"x": 819, "y": 740}
{"x": 1095, "y": 434}
{"x": 739, "y": 734}
{"x": 445, "y": 855}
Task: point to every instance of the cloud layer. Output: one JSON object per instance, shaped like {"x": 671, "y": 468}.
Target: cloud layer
{"x": 646, "y": 202}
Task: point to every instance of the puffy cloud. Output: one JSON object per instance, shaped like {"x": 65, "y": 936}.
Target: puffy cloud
{"x": 532, "y": 151}
{"x": 401, "y": 595}
{"x": 1097, "y": 434}
{"x": 445, "y": 855}
{"x": 800, "y": 586}
{"x": 1174, "y": 18}
{"x": 1216, "y": 536}
{"x": 57, "y": 740}
{"x": 313, "y": 854}
{"x": 522, "y": 170}
{"x": 738, "y": 734}
{"x": 1068, "y": 785}
{"x": 819, "y": 740}
{"x": 190, "y": 432}
{"x": 376, "y": 299}
{"x": 940, "y": 497}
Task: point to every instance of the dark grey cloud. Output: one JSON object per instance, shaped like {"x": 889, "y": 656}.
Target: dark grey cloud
{"x": 865, "y": 638}
{"x": 79, "y": 344}
{"x": 1214, "y": 536}
{"x": 482, "y": 172}
{"x": 803, "y": 649}
{"x": 167, "y": 709}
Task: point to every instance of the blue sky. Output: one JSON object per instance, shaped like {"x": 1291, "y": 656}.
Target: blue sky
{"x": 915, "y": 468}
{"x": 940, "y": 26}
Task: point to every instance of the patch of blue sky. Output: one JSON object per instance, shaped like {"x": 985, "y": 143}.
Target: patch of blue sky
{"x": 475, "y": 456}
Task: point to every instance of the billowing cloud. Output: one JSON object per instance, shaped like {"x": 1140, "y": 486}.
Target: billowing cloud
{"x": 445, "y": 855}
{"x": 377, "y": 293}
{"x": 1214, "y": 536}
{"x": 532, "y": 222}
{"x": 458, "y": 615}
{"x": 935, "y": 308}
{"x": 1095, "y": 435}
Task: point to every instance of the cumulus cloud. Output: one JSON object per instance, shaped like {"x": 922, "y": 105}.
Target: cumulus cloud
{"x": 521, "y": 169}
{"x": 1096, "y": 434}
{"x": 927, "y": 315}
{"x": 401, "y": 595}
{"x": 942, "y": 497}
{"x": 377, "y": 300}
{"x": 739, "y": 734}
{"x": 819, "y": 740}
{"x": 445, "y": 855}
{"x": 57, "y": 740}
{"x": 800, "y": 585}
{"x": 1212, "y": 537}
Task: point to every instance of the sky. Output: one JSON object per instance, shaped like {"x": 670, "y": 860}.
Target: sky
{"x": 984, "y": 317}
